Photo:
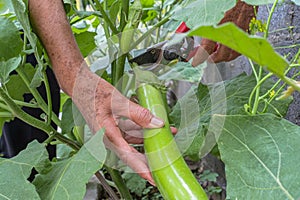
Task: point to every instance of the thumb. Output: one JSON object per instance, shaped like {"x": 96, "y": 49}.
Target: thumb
{"x": 143, "y": 117}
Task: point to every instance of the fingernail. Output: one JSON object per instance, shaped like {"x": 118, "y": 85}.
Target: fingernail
{"x": 156, "y": 122}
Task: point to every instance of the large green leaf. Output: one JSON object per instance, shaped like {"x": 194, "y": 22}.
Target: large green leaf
{"x": 256, "y": 48}
{"x": 10, "y": 41}
{"x": 15, "y": 171}
{"x": 67, "y": 178}
{"x": 203, "y": 12}
{"x": 261, "y": 155}
{"x": 192, "y": 113}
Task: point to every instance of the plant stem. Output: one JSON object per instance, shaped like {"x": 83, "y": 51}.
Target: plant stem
{"x": 269, "y": 19}
{"x": 257, "y": 91}
{"x": 118, "y": 71}
{"x": 49, "y": 99}
{"x": 292, "y": 83}
{"x": 67, "y": 141}
{"x": 30, "y": 105}
{"x": 296, "y": 57}
{"x": 4, "y": 106}
{"x": 118, "y": 180}
{"x": 124, "y": 14}
{"x": 18, "y": 112}
{"x": 150, "y": 31}
{"x": 40, "y": 101}
{"x": 6, "y": 115}
{"x": 259, "y": 76}
{"x": 159, "y": 19}
{"x": 106, "y": 186}
{"x": 106, "y": 18}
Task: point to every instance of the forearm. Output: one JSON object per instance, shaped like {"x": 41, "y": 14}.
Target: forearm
{"x": 49, "y": 21}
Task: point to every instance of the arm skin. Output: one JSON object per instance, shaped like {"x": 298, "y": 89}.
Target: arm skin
{"x": 99, "y": 102}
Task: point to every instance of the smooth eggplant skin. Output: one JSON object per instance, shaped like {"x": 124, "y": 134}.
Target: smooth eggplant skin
{"x": 169, "y": 170}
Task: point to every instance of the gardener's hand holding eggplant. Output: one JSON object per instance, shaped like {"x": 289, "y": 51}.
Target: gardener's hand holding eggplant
{"x": 100, "y": 103}
{"x": 209, "y": 50}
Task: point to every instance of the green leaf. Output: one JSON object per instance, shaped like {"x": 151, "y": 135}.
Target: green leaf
{"x": 15, "y": 171}
{"x": 6, "y": 67}
{"x": 67, "y": 178}
{"x": 11, "y": 44}
{"x": 147, "y": 3}
{"x": 135, "y": 183}
{"x": 143, "y": 76}
{"x": 135, "y": 14}
{"x": 184, "y": 71}
{"x": 70, "y": 117}
{"x": 261, "y": 2}
{"x": 192, "y": 113}
{"x": 256, "y": 48}
{"x": 203, "y": 12}
{"x": 16, "y": 87}
{"x": 5, "y": 7}
{"x": 20, "y": 7}
{"x": 149, "y": 15}
{"x": 6, "y": 116}
{"x": 86, "y": 42}
{"x": 37, "y": 77}
{"x": 114, "y": 10}
{"x": 297, "y": 2}
{"x": 207, "y": 175}
{"x": 260, "y": 155}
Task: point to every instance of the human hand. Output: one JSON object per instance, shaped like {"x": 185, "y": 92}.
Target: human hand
{"x": 103, "y": 106}
{"x": 211, "y": 51}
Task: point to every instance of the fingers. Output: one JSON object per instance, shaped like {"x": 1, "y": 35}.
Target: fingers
{"x": 133, "y": 133}
{"x": 143, "y": 117}
{"x": 123, "y": 107}
{"x": 222, "y": 54}
{"x": 131, "y": 157}
{"x": 114, "y": 141}
{"x": 173, "y": 130}
{"x": 207, "y": 48}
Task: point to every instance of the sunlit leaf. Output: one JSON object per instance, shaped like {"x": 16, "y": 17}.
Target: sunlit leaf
{"x": 203, "y": 12}
{"x": 254, "y": 47}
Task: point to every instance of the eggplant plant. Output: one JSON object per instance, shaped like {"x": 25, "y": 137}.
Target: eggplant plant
{"x": 257, "y": 145}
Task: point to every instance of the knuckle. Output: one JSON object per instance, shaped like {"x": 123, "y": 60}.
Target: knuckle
{"x": 143, "y": 115}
